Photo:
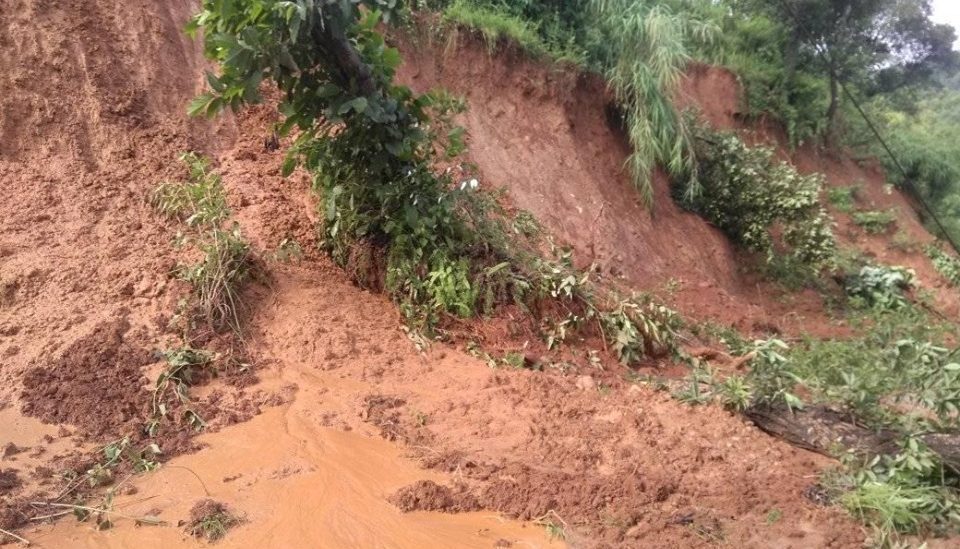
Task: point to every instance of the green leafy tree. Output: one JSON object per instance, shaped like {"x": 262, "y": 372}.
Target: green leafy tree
{"x": 878, "y": 44}
{"x": 369, "y": 144}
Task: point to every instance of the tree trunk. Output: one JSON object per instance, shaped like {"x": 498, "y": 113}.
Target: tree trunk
{"x": 834, "y": 105}
{"x": 791, "y": 56}
{"x": 822, "y": 430}
{"x": 350, "y": 66}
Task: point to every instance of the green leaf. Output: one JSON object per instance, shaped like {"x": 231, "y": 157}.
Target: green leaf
{"x": 289, "y": 164}
{"x": 358, "y": 104}
{"x": 201, "y": 105}
{"x": 391, "y": 58}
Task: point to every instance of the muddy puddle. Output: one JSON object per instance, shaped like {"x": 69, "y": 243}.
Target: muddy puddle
{"x": 296, "y": 483}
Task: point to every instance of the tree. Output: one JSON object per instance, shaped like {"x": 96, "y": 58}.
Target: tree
{"x": 878, "y": 44}
{"x": 369, "y": 144}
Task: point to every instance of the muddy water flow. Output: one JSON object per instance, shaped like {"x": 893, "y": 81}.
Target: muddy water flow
{"x": 296, "y": 484}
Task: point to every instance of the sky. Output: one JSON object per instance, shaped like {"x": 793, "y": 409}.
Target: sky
{"x": 947, "y": 11}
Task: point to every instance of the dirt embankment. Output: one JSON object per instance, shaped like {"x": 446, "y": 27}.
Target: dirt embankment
{"x": 91, "y": 118}
{"x": 545, "y": 134}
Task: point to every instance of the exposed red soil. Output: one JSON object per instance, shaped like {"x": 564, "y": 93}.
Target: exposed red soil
{"x": 91, "y": 119}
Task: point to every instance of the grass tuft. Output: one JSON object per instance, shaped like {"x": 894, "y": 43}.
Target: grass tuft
{"x": 226, "y": 258}
{"x": 211, "y": 520}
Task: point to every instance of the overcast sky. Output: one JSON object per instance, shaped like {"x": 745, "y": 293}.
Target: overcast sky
{"x": 947, "y": 11}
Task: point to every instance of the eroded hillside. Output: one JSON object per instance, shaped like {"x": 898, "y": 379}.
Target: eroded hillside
{"x": 337, "y": 430}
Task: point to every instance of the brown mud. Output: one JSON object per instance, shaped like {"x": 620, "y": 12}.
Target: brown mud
{"x": 350, "y": 437}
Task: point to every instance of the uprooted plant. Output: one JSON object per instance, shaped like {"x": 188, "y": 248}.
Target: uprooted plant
{"x": 122, "y": 454}
{"x": 172, "y": 388}
{"x": 200, "y": 202}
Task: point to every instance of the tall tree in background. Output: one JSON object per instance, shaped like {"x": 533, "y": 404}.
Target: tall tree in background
{"x": 879, "y": 44}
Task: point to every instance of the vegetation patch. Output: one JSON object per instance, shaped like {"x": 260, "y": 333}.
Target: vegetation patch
{"x": 875, "y": 222}
{"x": 880, "y": 287}
{"x": 211, "y": 520}
{"x": 226, "y": 260}
{"x": 894, "y": 387}
{"x": 945, "y": 263}
{"x": 499, "y": 27}
{"x": 843, "y": 199}
{"x": 755, "y": 200}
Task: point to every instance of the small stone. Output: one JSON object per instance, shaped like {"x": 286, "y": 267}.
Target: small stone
{"x": 586, "y": 383}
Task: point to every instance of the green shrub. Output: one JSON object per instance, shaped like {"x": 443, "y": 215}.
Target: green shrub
{"x": 875, "y": 222}
{"x": 946, "y": 264}
{"x": 747, "y": 194}
{"x": 843, "y": 199}
{"x": 880, "y": 286}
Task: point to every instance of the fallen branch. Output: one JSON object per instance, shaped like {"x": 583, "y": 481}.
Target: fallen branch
{"x": 823, "y": 430}
{"x": 14, "y": 536}
{"x": 153, "y": 521}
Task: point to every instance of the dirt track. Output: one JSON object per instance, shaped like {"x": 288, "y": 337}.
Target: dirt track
{"x": 91, "y": 118}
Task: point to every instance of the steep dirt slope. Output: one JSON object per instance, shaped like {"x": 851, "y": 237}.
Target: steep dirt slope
{"x": 546, "y": 135}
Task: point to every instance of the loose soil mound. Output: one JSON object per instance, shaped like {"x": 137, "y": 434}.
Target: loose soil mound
{"x": 426, "y": 495}
{"x": 96, "y": 385}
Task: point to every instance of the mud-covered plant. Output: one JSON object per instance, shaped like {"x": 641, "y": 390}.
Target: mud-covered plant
{"x": 211, "y": 520}
{"x": 218, "y": 276}
{"x": 753, "y": 197}
{"x": 881, "y": 286}
{"x": 946, "y": 264}
{"x": 141, "y": 460}
{"x": 875, "y": 221}
{"x": 200, "y": 202}
{"x": 640, "y": 327}
{"x": 184, "y": 367}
